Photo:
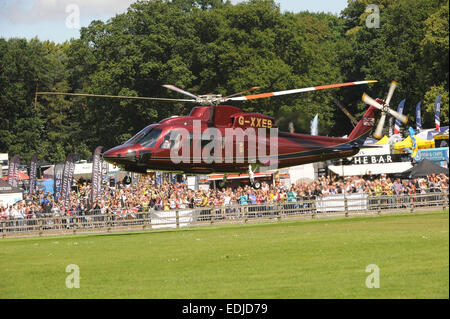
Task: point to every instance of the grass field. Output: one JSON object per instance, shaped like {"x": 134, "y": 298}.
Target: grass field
{"x": 293, "y": 259}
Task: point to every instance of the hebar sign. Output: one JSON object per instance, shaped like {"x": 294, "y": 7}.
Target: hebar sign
{"x": 372, "y": 159}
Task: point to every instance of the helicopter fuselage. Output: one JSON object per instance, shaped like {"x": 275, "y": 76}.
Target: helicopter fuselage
{"x": 228, "y": 141}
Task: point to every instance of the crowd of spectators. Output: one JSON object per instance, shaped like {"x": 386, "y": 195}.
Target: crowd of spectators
{"x": 147, "y": 195}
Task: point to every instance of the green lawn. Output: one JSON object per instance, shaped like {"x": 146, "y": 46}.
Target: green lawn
{"x": 292, "y": 259}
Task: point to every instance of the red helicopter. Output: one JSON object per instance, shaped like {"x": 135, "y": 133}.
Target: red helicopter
{"x": 159, "y": 147}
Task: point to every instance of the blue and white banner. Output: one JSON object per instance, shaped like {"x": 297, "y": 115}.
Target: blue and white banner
{"x": 58, "y": 177}
{"x": 437, "y": 112}
{"x": 158, "y": 178}
{"x": 418, "y": 116}
{"x": 400, "y": 108}
{"x": 436, "y": 155}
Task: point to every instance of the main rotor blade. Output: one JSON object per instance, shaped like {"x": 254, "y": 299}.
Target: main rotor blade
{"x": 249, "y": 90}
{"x": 314, "y": 88}
{"x": 379, "y": 129}
{"x": 174, "y": 88}
{"x": 116, "y": 96}
{"x": 391, "y": 92}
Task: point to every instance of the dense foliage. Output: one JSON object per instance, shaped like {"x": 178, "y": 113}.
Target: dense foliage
{"x": 213, "y": 46}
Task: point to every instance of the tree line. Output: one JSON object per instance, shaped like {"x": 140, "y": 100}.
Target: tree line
{"x": 214, "y": 46}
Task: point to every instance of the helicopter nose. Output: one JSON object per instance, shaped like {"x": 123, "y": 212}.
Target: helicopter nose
{"x": 127, "y": 155}
{"x": 120, "y": 154}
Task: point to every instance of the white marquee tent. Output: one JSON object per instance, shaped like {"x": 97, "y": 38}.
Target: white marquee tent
{"x": 8, "y": 194}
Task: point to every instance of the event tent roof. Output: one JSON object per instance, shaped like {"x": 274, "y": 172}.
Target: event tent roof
{"x": 428, "y": 134}
{"x": 21, "y": 176}
{"x": 383, "y": 141}
{"x": 407, "y": 143}
{"x": 5, "y": 188}
{"x": 423, "y": 169}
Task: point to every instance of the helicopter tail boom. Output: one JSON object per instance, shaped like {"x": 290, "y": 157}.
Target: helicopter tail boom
{"x": 364, "y": 126}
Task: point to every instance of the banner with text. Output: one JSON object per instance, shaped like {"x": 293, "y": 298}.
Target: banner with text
{"x": 33, "y": 170}
{"x": 57, "y": 175}
{"x": 96, "y": 174}
{"x": 13, "y": 171}
{"x": 69, "y": 167}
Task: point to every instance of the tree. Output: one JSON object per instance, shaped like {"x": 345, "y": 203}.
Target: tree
{"x": 406, "y": 48}
{"x": 214, "y": 46}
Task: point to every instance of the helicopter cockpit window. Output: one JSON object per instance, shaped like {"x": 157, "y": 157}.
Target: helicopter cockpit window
{"x": 146, "y": 138}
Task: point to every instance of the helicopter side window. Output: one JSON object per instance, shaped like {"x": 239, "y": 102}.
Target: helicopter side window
{"x": 165, "y": 144}
{"x": 172, "y": 140}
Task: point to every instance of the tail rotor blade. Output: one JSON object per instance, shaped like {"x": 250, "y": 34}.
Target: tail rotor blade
{"x": 402, "y": 118}
{"x": 368, "y": 100}
{"x": 379, "y": 129}
{"x": 391, "y": 92}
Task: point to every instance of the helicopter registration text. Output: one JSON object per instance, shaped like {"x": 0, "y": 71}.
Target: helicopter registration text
{"x": 257, "y": 122}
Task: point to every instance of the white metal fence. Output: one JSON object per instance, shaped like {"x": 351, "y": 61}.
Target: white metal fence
{"x": 327, "y": 206}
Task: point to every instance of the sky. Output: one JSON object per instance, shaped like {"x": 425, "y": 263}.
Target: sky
{"x": 60, "y": 20}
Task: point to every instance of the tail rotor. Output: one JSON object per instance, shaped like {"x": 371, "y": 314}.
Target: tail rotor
{"x": 384, "y": 107}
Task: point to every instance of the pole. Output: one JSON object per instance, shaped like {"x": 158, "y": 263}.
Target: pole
{"x": 35, "y": 96}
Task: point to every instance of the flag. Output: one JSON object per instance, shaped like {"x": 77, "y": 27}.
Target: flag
{"x": 105, "y": 170}
{"x": 391, "y": 123}
{"x": 33, "y": 169}
{"x": 415, "y": 147}
{"x": 13, "y": 171}
{"x": 437, "y": 112}
{"x": 315, "y": 125}
{"x": 158, "y": 178}
{"x": 57, "y": 175}
{"x": 67, "y": 177}
{"x": 418, "y": 117}
{"x": 96, "y": 174}
{"x": 132, "y": 212}
{"x": 400, "y": 107}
